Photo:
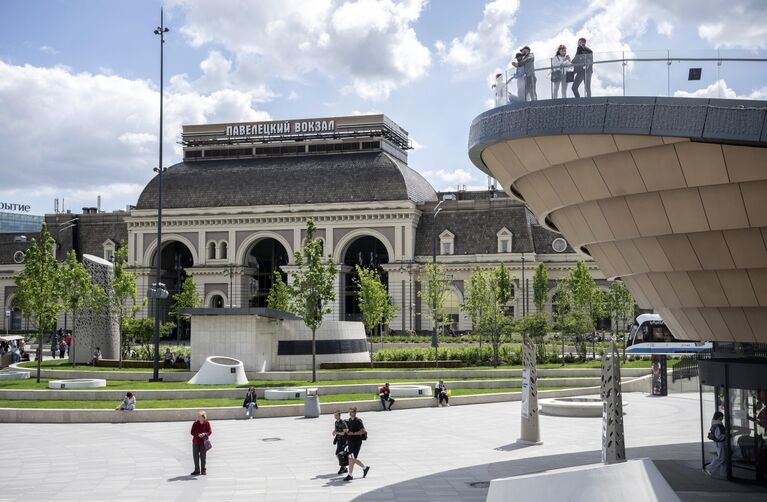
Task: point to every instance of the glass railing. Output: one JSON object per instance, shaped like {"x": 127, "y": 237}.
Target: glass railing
{"x": 708, "y": 74}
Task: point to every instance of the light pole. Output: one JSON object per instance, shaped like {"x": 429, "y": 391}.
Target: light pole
{"x": 158, "y": 286}
{"x": 524, "y": 289}
{"x": 434, "y": 339}
{"x": 229, "y": 272}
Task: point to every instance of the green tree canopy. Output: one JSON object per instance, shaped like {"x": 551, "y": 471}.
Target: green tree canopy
{"x": 39, "y": 286}
{"x": 279, "y": 294}
{"x": 433, "y": 279}
{"x": 313, "y": 286}
{"x": 373, "y": 299}
{"x": 540, "y": 287}
{"x": 122, "y": 293}
{"x": 485, "y": 302}
{"x": 187, "y": 298}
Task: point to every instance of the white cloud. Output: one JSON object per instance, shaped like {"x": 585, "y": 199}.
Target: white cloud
{"x": 491, "y": 38}
{"x": 370, "y": 43}
{"x": 80, "y": 133}
{"x": 416, "y": 145}
{"x": 48, "y": 50}
{"x": 458, "y": 176}
{"x": 720, "y": 89}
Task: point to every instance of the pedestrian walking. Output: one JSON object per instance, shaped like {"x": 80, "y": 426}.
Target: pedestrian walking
{"x": 440, "y": 392}
{"x": 356, "y": 434}
{"x": 250, "y": 402}
{"x": 583, "y": 66}
{"x": 54, "y": 344}
{"x": 62, "y": 348}
{"x": 68, "y": 339}
{"x": 340, "y": 440}
{"x": 201, "y": 431}
{"x": 718, "y": 435}
{"x": 384, "y": 392}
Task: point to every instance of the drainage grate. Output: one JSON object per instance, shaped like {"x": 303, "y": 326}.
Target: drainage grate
{"x": 271, "y": 439}
{"x": 480, "y": 484}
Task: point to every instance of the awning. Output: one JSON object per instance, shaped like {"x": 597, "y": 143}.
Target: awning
{"x": 10, "y": 338}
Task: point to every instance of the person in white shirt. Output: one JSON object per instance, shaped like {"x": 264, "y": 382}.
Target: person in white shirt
{"x": 559, "y": 64}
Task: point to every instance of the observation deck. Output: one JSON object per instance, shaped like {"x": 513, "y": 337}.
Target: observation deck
{"x": 667, "y": 193}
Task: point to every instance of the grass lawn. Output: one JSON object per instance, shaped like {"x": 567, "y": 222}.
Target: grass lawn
{"x": 134, "y": 385}
{"x": 64, "y": 364}
{"x": 219, "y": 403}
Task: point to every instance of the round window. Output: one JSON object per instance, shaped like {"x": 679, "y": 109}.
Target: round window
{"x": 18, "y": 257}
{"x": 559, "y": 244}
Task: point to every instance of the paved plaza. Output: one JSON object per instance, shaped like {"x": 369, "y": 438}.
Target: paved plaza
{"x": 438, "y": 454}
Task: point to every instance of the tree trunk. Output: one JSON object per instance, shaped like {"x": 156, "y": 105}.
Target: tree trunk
{"x": 563, "y": 348}
{"x": 314, "y": 357}
{"x": 40, "y": 353}
{"x": 72, "y": 340}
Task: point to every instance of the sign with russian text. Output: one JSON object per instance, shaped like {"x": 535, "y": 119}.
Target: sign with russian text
{"x": 9, "y": 206}
{"x": 284, "y": 127}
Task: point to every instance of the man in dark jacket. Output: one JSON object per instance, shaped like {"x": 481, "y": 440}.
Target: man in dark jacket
{"x": 583, "y": 66}
{"x": 528, "y": 64}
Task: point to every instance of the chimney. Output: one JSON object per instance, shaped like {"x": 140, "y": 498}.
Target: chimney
{"x": 98, "y": 204}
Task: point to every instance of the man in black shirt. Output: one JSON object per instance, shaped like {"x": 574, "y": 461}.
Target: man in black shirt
{"x": 339, "y": 437}
{"x": 583, "y": 65}
{"x": 356, "y": 435}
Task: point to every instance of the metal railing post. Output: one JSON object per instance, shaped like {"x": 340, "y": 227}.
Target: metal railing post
{"x": 668, "y": 73}
{"x": 623, "y": 70}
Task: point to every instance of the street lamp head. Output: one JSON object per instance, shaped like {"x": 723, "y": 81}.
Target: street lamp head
{"x": 160, "y": 29}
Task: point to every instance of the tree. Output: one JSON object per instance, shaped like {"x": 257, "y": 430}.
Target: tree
{"x": 313, "y": 288}
{"x": 39, "y": 287}
{"x": 535, "y": 327}
{"x": 485, "y": 302}
{"x": 540, "y": 287}
{"x": 433, "y": 288}
{"x": 279, "y": 294}
{"x": 586, "y": 297}
{"x": 620, "y": 304}
{"x": 373, "y": 299}
{"x": 122, "y": 294}
{"x": 78, "y": 290}
{"x": 187, "y": 298}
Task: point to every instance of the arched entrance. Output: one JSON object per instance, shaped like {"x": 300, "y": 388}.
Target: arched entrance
{"x": 264, "y": 258}
{"x": 367, "y": 252}
{"x": 216, "y": 302}
{"x": 176, "y": 258}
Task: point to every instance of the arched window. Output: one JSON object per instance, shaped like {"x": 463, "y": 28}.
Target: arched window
{"x": 211, "y": 250}
{"x": 223, "y": 250}
{"x": 504, "y": 240}
{"x": 447, "y": 242}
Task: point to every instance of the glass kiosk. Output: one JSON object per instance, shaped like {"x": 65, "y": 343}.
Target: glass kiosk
{"x": 738, "y": 388}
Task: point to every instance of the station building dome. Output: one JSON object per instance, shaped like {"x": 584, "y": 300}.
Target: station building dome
{"x": 314, "y": 179}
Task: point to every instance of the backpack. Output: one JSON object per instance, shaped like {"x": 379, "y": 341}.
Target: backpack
{"x": 712, "y": 436}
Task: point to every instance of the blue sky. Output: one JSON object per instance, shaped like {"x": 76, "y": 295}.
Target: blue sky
{"x": 79, "y": 80}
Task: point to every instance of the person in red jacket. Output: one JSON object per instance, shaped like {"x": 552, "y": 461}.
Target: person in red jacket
{"x": 200, "y": 432}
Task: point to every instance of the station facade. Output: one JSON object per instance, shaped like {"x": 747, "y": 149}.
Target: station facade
{"x": 235, "y": 211}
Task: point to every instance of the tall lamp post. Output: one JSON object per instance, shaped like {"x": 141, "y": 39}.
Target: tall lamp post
{"x": 434, "y": 339}
{"x": 158, "y": 292}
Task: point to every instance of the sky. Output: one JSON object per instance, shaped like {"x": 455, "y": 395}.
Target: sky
{"x": 79, "y": 80}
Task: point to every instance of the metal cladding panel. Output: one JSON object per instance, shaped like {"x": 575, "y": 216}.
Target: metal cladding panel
{"x": 679, "y": 117}
{"x": 544, "y": 119}
{"x": 629, "y": 115}
{"x": 735, "y": 120}
{"x": 763, "y": 139}
{"x": 583, "y": 116}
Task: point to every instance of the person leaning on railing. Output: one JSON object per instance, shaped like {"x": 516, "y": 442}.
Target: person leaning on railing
{"x": 519, "y": 76}
{"x": 559, "y": 64}
{"x": 583, "y": 65}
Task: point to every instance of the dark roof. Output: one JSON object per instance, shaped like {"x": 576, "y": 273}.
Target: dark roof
{"x": 476, "y": 221}
{"x": 358, "y": 177}
{"x": 89, "y": 233}
{"x": 9, "y": 245}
